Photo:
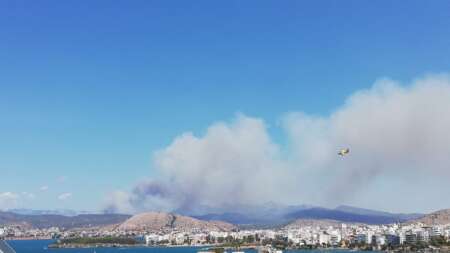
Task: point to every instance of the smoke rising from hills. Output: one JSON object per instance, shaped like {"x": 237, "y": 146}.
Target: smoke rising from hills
{"x": 399, "y": 143}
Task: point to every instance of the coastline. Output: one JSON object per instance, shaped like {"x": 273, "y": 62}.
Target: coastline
{"x": 28, "y": 238}
{"x": 116, "y": 245}
{"x": 95, "y": 245}
{"x": 212, "y": 247}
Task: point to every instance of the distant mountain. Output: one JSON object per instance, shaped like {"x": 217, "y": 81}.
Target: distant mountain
{"x": 157, "y": 221}
{"x": 252, "y": 216}
{"x": 64, "y": 212}
{"x": 266, "y": 209}
{"x": 441, "y": 217}
{"x": 266, "y": 214}
{"x": 275, "y": 214}
{"x": 66, "y": 222}
{"x": 234, "y": 218}
{"x": 363, "y": 211}
{"x": 323, "y": 213}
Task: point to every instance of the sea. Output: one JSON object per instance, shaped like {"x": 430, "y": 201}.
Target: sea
{"x": 40, "y": 246}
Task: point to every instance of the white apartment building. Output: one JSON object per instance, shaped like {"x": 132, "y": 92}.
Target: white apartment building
{"x": 324, "y": 238}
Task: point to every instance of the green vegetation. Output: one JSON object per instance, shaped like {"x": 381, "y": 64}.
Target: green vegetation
{"x": 219, "y": 250}
{"x": 438, "y": 241}
{"x": 99, "y": 240}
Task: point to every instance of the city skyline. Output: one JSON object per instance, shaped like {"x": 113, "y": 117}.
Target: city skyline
{"x": 168, "y": 105}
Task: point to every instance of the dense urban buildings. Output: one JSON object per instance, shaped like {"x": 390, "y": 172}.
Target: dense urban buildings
{"x": 342, "y": 235}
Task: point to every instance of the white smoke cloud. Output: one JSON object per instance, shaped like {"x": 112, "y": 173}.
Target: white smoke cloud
{"x": 393, "y": 131}
{"x": 398, "y": 138}
{"x": 233, "y": 163}
{"x": 119, "y": 201}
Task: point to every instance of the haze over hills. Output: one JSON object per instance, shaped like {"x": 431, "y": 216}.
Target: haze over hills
{"x": 67, "y": 222}
{"x": 64, "y": 212}
{"x": 441, "y": 217}
{"x": 352, "y": 215}
{"x": 147, "y": 221}
{"x": 364, "y": 211}
{"x": 270, "y": 215}
{"x": 283, "y": 214}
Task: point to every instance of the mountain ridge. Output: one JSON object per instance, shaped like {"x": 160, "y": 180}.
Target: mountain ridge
{"x": 271, "y": 215}
{"x": 365, "y": 211}
{"x": 66, "y": 222}
{"x": 440, "y": 217}
{"x": 157, "y": 221}
{"x": 63, "y": 212}
{"x": 291, "y": 213}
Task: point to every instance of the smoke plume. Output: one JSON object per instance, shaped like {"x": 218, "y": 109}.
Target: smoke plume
{"x": 399, "y": 143}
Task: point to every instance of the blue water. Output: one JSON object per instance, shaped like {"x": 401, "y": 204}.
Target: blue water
{"x": 40, "y": 246}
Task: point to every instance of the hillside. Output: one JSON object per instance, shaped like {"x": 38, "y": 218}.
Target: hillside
{"x": 66, "y": 222}
{"x": 240, "y": 219}
{"x": 343, "y": 216}
{"x": 274, "y": 215}
{"x": 262, "y": 216}
{"x": 156, "y": 221}
{"x": 369, "y": 212}
{"x": 323, "y": 223}
{"x": 441, "y": 217}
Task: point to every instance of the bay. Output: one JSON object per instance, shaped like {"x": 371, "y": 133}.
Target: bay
{"x": 40, "y": 246}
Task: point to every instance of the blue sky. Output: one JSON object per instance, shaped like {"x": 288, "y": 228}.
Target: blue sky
{"x": 89, "y": 90}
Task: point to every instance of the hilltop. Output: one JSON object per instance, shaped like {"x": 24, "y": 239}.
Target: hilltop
{"x": 156, "y": 221}
{"x": 441, "y": 217}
